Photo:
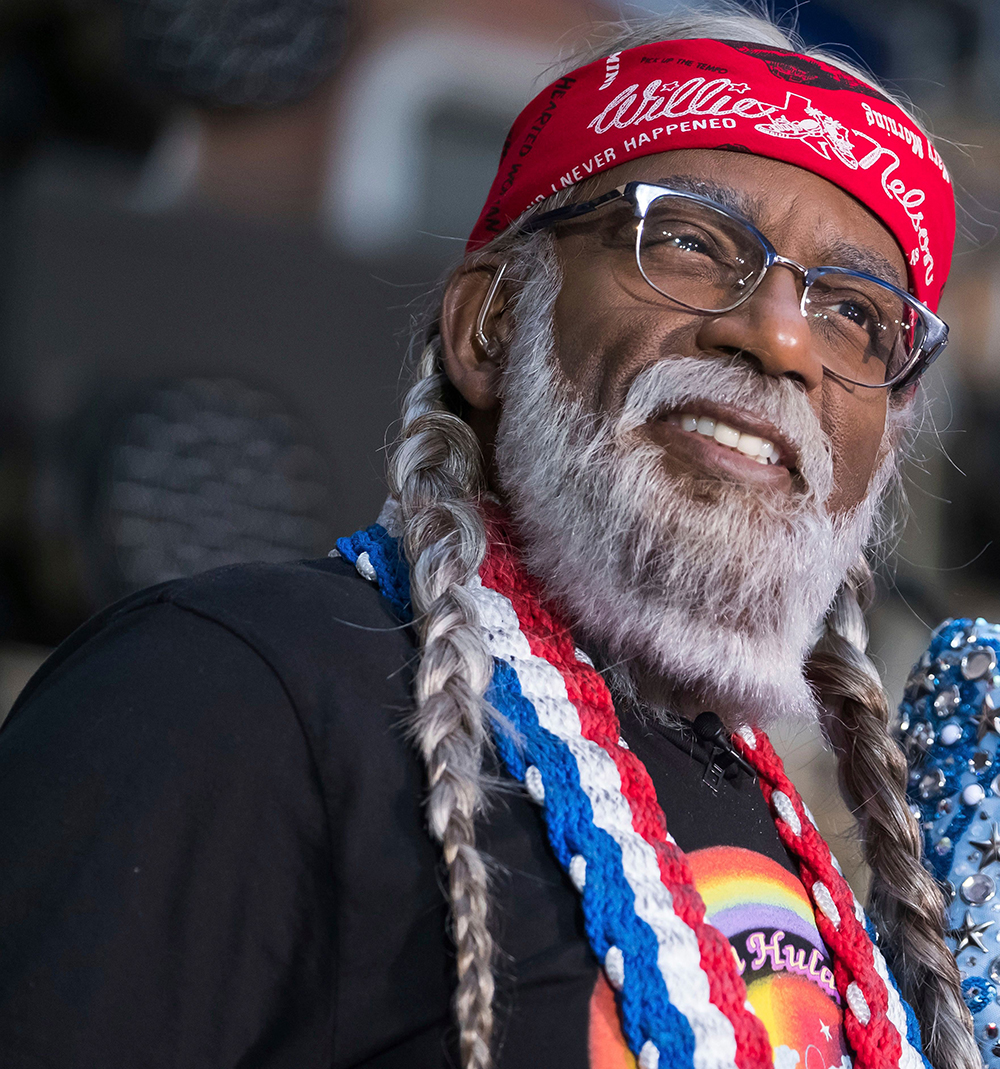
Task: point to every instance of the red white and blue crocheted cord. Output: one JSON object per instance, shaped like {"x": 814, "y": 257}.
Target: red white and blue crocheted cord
{"x": 682, "y": 1001}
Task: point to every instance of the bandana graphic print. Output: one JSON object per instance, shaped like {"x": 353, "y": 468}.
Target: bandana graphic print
{"x": 764, "y": 912}
{"x": 741, "y": 96}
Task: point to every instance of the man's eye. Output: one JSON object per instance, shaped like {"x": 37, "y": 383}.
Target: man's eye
{"x": 856, "y": 312}
{"x": 689, "y": 243}
{"x": 683, "y": 241}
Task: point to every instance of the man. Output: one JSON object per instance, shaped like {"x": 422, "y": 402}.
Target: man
{"x": 650, "y": 428}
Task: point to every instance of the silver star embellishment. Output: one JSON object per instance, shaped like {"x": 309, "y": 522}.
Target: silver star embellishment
{"x": 741, "y": 88}
{"x": 989, "y": 720}
{"x": 970, "y": 933}
{"x": 989, "y": 848}
{"x": 824, "y": 1028}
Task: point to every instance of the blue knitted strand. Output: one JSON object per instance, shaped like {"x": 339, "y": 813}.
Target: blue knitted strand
{"x": 392, "y": 571}
{"x": 608, "y": 901}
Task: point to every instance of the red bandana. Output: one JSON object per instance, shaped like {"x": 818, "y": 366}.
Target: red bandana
{"x": 732, "y": 95}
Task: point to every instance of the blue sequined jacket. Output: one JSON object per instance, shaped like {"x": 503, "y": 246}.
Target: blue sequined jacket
{"x": 949, "y": 726}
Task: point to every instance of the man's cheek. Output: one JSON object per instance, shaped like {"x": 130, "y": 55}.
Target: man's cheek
{"x": 854, "y": 463}
{"x": 855, "y": 426}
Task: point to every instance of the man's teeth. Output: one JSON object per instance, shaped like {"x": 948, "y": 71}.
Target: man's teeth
{"x": 759, "y": 449}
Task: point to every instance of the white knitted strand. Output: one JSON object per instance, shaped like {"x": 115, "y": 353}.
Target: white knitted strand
{"x": 858, "y": 1003}
{"x": 786, "y": 811}
{"x": 825, "y": 903}
{"x": 679, "y": 956}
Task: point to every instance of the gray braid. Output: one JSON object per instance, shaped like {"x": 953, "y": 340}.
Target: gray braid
{"x": 904, "y": 899}
{"x": 436, "y": 475}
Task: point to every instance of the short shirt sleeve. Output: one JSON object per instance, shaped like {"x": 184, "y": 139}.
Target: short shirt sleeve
{"x": 165, "y": 867}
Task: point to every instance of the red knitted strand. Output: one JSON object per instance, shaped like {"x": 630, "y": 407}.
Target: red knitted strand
{"x": 876, "y": 1044}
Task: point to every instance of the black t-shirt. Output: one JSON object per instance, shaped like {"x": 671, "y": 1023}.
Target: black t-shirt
{"x": 213, "y": 854}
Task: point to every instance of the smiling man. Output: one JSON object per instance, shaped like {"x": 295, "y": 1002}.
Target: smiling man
{"x": 653, "y": 418}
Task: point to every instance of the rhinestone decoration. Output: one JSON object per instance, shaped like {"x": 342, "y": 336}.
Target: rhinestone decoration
{"x": 989, "y": 721}
{"x": 988, "y": 848}
{"x": 977, "y": 889}
{"x": 949, "y": 727}
{"x": 921, "y": 735}
{"x": 932, "y": 784}
{"x": 921, "y": 682}
{"x": 978, "y": 662}
{"x": 946, "y": 701}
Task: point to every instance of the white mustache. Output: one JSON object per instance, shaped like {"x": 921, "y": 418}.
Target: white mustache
{"x": 676, "y": 381}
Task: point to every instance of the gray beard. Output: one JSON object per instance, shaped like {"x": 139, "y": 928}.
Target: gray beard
{"x": 708, "y": 586}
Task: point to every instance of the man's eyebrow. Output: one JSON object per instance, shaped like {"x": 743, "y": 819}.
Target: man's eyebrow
{"x": 837, "y": 253}
{"x": 736, "y": 200}
{"x": 841, "y": 253}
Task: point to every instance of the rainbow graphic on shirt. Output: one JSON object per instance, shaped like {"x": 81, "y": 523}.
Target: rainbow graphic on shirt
{"x": 763, "y": 910}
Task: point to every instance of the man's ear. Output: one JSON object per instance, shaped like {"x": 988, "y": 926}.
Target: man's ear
{"x": 472, "y": 367}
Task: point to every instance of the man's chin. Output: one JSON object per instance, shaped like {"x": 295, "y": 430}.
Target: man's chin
{"x": 685, "y": 663}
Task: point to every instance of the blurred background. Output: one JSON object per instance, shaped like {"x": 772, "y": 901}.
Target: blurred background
{"x": 217, "y": 218}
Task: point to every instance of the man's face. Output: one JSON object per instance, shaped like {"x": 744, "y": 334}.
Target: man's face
{"x": 609, "y": 324}
{"x": 705, "y": 572}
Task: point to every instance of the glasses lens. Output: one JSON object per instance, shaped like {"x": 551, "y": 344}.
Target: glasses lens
{"x": 865, "y": 331}
{"x": 698, "y": 256}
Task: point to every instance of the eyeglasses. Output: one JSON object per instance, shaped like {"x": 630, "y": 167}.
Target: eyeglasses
{"x": 709, "y": 260}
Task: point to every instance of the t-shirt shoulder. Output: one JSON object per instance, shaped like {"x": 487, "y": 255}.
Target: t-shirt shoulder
{"x": 329, "y": 639}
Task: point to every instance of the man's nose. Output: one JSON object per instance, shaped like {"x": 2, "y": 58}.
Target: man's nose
{"x": 769, "y": 329}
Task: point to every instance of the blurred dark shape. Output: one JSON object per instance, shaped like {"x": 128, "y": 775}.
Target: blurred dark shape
{"x": 235, "y": 53}
{"x": 422, "y": 118}
{"x": 967, "y": 29}
{"x": 196, "y": 474}
{"x": 973, "y": 515}
{"x": 106, "y": 305}
{"x": 62, "y": 79}
{"x": 821, "y": 23}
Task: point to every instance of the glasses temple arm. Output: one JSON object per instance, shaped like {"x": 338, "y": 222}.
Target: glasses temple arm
{"x": 570, "y": 211}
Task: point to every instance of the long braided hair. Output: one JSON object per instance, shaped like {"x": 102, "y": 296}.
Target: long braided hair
{"x": 437, "y": 476}
{"x": 903, "y": 896}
